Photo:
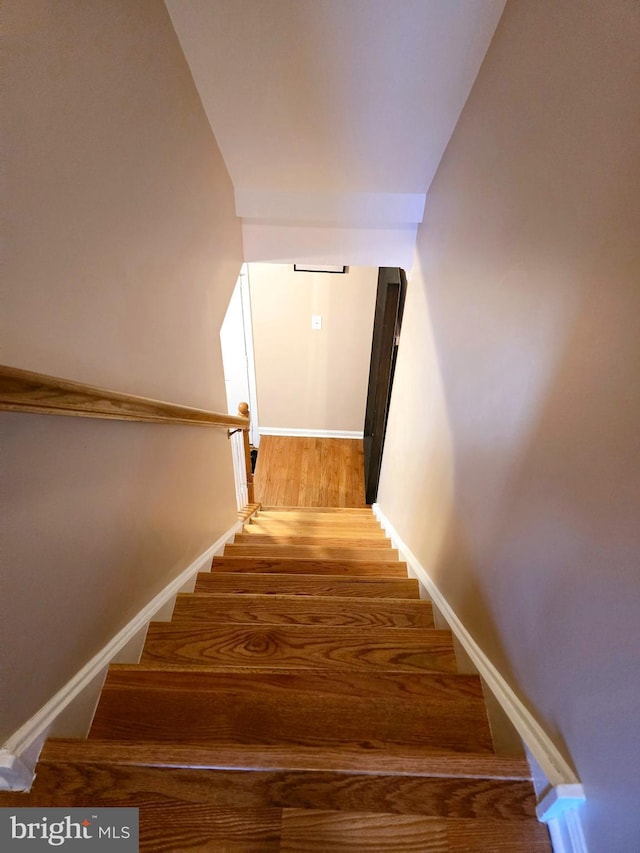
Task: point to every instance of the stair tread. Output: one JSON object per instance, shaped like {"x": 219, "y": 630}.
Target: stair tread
{"x": 318, "y": 520}
{"x": 307, "y": 646}
{"x": 295, "y": 528}
{"x": 119, "y": 771}
{"x": 337, "y": 510}
{"x": 180, "y": 812}
{"x": 316, "y": 831}
{"x": 313, "y": 540}
{"x": 295, "y": 609}
{"x": 309, "y": 565}
{"x": 306, "y": 708}
{"x": 317, "y": 552}
{"x": 303, "y": 585}
{"x": 314, "y": 516}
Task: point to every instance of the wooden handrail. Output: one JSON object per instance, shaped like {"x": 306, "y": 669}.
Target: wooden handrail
{"x": 24, "y": 391}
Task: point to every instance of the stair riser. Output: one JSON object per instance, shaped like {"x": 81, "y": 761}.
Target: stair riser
{"x": 295, "y": 610}
{"x": 347, "y": 709}
{"x": 277, "y": 540}
{"x": 383, "y": 649}
{"x": 306, "y": 585}
{"x": 318, "y": 522}
{"x": 318, "y": 526}
{"x": 346, "y": 568}
{"x": 405, "y": 687}
{"x": 121, "y": 785}
{"x": 311, "y": 552}
{"x": 277, "y": 528}
{"x": 337, "y": 511}
{"x": 208, "y": 717}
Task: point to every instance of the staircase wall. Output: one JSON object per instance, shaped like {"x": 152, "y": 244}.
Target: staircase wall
{"x": 123, "y": 250}
{"x": 511, "y": 459}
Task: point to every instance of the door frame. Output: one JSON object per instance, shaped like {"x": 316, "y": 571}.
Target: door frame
{"x": 238, "y": 358}
{"x": 245, "y": 296}
{"x": 390, "y": 296}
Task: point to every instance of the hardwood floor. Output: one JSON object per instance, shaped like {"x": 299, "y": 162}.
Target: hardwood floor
{"x": 322, "y": 472}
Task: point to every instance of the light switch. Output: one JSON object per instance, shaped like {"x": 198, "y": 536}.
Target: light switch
{"x": 316, "y": 321}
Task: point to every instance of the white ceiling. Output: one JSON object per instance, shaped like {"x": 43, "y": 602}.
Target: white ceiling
{"x": 330, "y": 105}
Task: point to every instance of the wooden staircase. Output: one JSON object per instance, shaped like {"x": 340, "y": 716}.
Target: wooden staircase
{"x": 299, "y": 700}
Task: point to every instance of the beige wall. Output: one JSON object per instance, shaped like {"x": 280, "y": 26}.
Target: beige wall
{"x": 515, "y": 420}
{"x": 307, "y": 379}
{"x": 123, "y": 250}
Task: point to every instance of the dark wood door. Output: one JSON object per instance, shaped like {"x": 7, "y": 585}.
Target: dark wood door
{"x": 392, "y": 285}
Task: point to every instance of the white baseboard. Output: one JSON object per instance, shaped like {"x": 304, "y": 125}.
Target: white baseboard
{"x": 14, "y": 774}
{"x": 565, "y": 794}
{"x": 19, "y": 754}
{"x": 311, "y": 433}
{"x": 566, "y": 833}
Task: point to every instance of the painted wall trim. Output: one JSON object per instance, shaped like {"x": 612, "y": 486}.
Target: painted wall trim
{"x": 559, "y": 799}
{"x": 566, "y": 833}
{"x": 14, "y": 774}
{"x": 19, "y": 754}
{"x": 311, "y": 433}
{"x": 566, "y": 792}
{"x": 245, "y": 297}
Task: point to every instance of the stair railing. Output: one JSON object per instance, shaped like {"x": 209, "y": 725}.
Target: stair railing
{"x": 242, "y": 465}
{"x": 37, "y": 393}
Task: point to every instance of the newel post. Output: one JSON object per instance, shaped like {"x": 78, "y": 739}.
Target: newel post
{"x": 243, "y": 411}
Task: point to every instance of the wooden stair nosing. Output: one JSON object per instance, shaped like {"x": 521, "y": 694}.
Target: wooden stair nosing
{"x": 388, "y": 759}
{"x": 309, "y": 610}
{"x": 301, "y": 585}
